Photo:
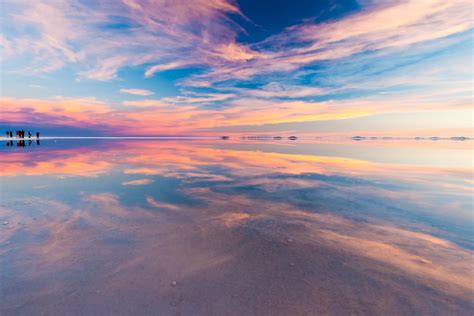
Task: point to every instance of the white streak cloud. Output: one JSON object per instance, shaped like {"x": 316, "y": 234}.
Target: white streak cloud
{"x": 140, "y": 92}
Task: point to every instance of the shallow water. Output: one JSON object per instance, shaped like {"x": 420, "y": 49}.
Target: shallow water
{"x": 208, "y": 227}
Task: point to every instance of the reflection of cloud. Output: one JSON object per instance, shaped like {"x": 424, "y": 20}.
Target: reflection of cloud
{"x": 244, "y": 230}
{"x": 277, "y": 185}
{"x": 232, "y": 219}
{"x": 412, "y": 252}
{"x": 75, "y": 162}
{"x": 138, "y": 182}
{"x": 443, "y": 264}
{"x": 188, "y": 161}
{"x": 155, "y": 203}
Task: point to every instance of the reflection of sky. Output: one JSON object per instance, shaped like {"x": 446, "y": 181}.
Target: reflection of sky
{"x": 130, "y": 217}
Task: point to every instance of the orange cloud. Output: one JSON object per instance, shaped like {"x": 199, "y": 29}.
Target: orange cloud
{"x": 188, "y": 115}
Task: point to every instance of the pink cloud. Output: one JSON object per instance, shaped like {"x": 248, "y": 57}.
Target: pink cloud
{"x": 138, "y": 182}
{"x": 140, "y": 92}
{"x": 173, "y": 34}
{"x": 167, "y": 35}
{"x": 162, "y": 31}
{"x": 184, "y": 115}
{"x": 382, "y": 26}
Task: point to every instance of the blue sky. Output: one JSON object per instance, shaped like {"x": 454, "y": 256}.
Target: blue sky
{"x": 204, "y": 67}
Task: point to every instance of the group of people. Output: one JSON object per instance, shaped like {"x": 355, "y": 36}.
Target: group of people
{"x": 21, "y": 134}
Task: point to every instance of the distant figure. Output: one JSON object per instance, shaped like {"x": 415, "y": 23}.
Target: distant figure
{"x": 37, "y": 134}
{"x": 29, "y": 134}
{"x": 8, "y": 134}
{"x": 11, "y": 134}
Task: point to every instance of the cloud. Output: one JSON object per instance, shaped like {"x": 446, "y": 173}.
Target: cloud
{"x": 190, "y": 115}
{"x": 382, "y": 26}
{"x": 106, "y": 70}
{"x": 235, "y": 52}
{"x": 338, "y": 69}
{"x": 167, "y": 66}
{"x": 144, "y": 103}
{"x": 140, "y": 92}
{"x": 155, "y": 32}
{"x": 138, "y": 182}
{"x": 277, "y": 90}
{"x": 171, "y": 35}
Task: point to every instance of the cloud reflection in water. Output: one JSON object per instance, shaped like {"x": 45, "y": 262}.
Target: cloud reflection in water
{"x": 241, "y": 229}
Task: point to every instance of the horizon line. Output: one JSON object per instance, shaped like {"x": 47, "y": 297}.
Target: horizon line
{"x": 251, "y": 137}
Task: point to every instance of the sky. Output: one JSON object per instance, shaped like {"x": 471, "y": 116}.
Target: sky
{"x": 208, "y": 67}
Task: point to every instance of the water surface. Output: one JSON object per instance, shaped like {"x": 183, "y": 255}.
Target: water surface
{"x": 208, "y": 227}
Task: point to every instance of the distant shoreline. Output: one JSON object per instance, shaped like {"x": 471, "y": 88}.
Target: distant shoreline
{"x": 275, "y": 138}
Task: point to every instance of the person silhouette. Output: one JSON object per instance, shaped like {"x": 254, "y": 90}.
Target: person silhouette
{"x": 29, "y": 134}
{"x": 11, "y": 134}
{"x": 37, "y": 134}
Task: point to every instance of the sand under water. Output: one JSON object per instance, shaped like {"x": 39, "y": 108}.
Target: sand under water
{"x": 206, "y": 227}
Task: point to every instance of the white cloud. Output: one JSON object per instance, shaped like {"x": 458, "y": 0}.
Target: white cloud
{"x": 138, "y": 182}
{"x": 156, "y": 68}
{"x": 141, "y": 92}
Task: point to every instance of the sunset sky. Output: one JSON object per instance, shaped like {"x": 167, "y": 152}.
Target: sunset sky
{"x": 205, "y": 67}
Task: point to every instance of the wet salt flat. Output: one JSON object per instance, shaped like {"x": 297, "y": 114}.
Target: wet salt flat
{"x": 209, "y": 227}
